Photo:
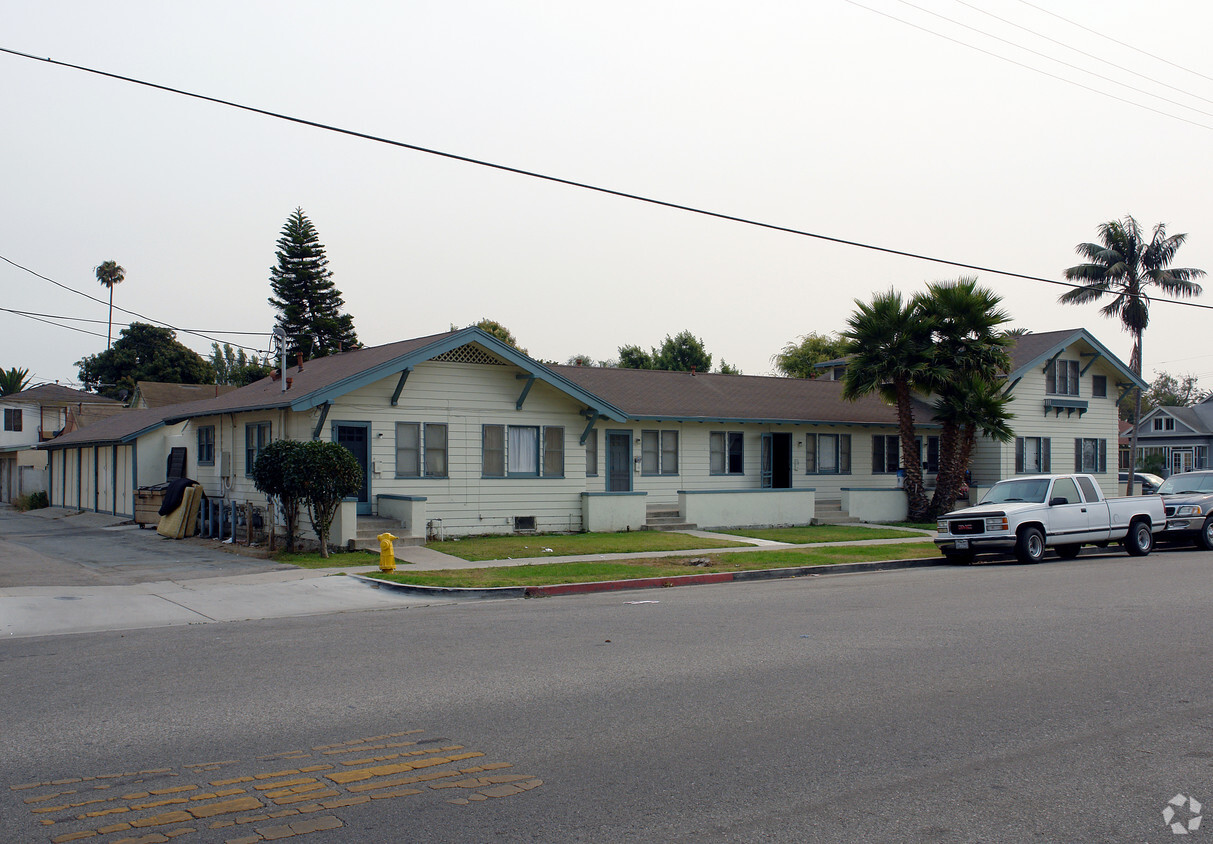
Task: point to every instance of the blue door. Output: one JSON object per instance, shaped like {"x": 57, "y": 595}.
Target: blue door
{"x": 356, "y": 437}
{"x": 619, "y": 461}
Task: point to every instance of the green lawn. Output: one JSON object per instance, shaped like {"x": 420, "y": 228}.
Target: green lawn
{"x": 336, "y": 559}
{"x": 547, "y": 574}
{"x": 821, "y": 533}
{"x": 560, "y": 544}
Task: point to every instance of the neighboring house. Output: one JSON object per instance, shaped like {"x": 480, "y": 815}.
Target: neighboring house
{"x": 150, "y": 394}
{"x": 33, "y": 416}
{"x": 1065, "y": 386}
{"x": 462, "y": 434}
{"x": 1176, "y": 438}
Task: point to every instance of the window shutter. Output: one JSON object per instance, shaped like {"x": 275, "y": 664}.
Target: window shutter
{"x": 1046, "y": 463}
{"x": 877, "y": 453}
{"x": 1019, "y": 455}
{"x": 844, "y": 454}
{"x": 810, "y": 454}
{"x": 1077, "y": 455}
{"x": 1103, "y": 456}
{"x": 1051, "y": 378}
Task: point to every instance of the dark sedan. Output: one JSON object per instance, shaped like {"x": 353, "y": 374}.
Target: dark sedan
{"x": 1189, "y": 505}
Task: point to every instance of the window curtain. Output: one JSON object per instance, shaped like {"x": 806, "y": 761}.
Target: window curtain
{"x": 522, "y": 450}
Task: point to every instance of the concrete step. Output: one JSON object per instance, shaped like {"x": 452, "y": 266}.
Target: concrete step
{"x": 669, "y": 526}
{"x": 372, "y": 544}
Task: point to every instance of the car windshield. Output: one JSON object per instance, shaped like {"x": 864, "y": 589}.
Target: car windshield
{"x": 1027, "y": 489}
{"x": 1188, "y": 482}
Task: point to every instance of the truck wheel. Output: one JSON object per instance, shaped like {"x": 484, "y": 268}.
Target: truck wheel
{"x": 1204, "y": 539}
{"x": 1068, "y": 552}
{"x": 1030, "y": 545}
{"x": 1140, "y": 540}
{"x": 960, "y": 558}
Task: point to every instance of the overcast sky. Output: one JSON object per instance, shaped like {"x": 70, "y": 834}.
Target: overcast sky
{"x": 822, "y": 115}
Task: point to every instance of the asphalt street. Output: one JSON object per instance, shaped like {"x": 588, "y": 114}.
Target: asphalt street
{"x": 1068, "y": 701}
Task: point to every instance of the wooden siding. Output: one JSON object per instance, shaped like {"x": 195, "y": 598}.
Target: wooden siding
{"x": 993, "y": 462}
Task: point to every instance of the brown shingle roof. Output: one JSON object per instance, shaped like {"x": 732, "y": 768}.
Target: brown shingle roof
{"x": 649, "y": 394}
{"x": 161, "y": 394}
{"x": 56, "y": 394}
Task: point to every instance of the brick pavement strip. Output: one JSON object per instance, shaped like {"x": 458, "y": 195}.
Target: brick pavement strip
{"x": 259, "y": 801}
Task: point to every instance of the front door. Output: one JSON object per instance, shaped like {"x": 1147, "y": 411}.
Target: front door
{"x": 776, "y": 463}
{"x": 619, "y": 461}
{"x": 1181, "y": 460}
{"x": 356, "y": 437}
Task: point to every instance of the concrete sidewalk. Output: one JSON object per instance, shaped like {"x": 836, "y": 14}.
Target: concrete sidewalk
{"x": 55, "y": 610}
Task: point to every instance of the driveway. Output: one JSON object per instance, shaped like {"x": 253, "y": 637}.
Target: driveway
{"x": 67, "y": 572}
{"x": 57, "y": 547}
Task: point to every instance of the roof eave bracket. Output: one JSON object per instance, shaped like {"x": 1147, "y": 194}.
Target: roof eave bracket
{"x": 530, "y": 382}
{"x": 324, "y": 414}
{"x": 404, "y": 376}
{"x": 594, "y": 416}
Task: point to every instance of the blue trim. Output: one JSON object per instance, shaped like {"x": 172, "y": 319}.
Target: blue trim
{"x": 746, "y": 491}
{"x": 199, "y": 430}
{"x": 721, "y": 420}
{"x": 404, "y": 376}
{"x": 871, "y": 489}
{"x": 585, "y": 435}
{"x": 449, "y": 343}
{"x": 603, "y": 494}
{"x": 324, "y": 414}
{"x": 394, "y": 497}
{"x": 530, "y": 382}
{"x": 1096, "y": 356}
{"x": 114, "y": 480}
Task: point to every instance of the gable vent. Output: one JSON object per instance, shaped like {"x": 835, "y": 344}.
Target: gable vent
{"x": 469, "y": 353}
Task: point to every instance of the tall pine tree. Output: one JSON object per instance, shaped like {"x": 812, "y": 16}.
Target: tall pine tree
{"x": 308, "y": 304}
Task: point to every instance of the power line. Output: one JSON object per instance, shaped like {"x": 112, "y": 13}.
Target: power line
{"x": 611, "y": 191}
{"x": 1025, "y": 66}
{"x": 1114, "y": 41}
{"x": 124, "y": 310}
{"x": 1072, "y": 48}
{"x": 105, "y": 322}
{"x": 1051, "y": 58}
{"x": 56, "y": 324}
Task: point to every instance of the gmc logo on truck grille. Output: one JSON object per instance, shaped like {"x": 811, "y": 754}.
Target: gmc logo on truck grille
{"x": 968, "y": 527}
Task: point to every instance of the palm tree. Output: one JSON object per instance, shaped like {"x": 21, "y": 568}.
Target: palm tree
{"x": 889, "y": 344}
{"x": 13, "y": 381}
{"x": 970, "y": 352}
{"x": 1124, "y": 266}
{"x": 109, "y": 274}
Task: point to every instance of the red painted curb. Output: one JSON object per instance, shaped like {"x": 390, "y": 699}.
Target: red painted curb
{"x": 615, "y": 585}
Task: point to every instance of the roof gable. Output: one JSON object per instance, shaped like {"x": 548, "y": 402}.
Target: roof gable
{"x": 323, "y": 380}
{"x": 1031, "y": 351}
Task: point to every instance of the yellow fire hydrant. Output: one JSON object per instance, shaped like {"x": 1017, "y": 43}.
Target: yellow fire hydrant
{"x": 387, "y": 554}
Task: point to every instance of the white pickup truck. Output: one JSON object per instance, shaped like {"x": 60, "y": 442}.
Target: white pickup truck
{"x": 1062, "y": 512}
